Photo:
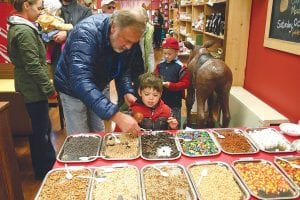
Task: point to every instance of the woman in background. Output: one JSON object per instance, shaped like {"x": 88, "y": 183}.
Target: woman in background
{"x": 27, "y": 52}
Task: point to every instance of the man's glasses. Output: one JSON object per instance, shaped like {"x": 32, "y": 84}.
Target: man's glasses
{"x": 111, "y": 7}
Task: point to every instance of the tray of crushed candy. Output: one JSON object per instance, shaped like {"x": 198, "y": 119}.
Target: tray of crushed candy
{"x": 118, "y": 181}
{"x": 120, "y": 146}
{"x": 263, "y": 180}
{"x": 197, "y": 143}
{"x": 65, "y": 183}
{"x": 216, "y": 180}
{"x": 290, "y": 166}
{"x": 159, "y": 145}
{"x": 234, "y": 141}
{"x": 166, "y": 181}
{"x": 76, "y": 148}
{"x": 270, "y": 140}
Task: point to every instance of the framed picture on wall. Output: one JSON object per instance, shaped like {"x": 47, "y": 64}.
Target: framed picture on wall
{"x": 282, "y": 30}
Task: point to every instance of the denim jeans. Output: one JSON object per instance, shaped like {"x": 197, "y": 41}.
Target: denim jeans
{"x": 78, "y": 117}
{"x": 41, "y": 149}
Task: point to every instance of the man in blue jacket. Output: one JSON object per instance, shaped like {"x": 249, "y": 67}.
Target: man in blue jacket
{"x": 99, "y": 49}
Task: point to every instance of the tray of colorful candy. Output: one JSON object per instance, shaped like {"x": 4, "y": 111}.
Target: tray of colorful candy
{"x": 197, "y": 143}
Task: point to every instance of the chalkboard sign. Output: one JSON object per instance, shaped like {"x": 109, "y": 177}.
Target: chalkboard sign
{"x": 283, "y": 26}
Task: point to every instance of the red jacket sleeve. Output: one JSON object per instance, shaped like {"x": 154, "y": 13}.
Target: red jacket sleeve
{"x": 183, "y": 82}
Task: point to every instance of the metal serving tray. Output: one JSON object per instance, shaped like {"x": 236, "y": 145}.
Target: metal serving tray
{"x": 62, "y": 187}
{"x": 284, "y": 147}
{"x": 292, "y": 173}
{"x": 174, "y": 185}
{"x": 218, "y": 185}
{"x": 78, "y": 150}
{"x": 113, "y": 182}
{"x": 198, "y": 143}
{"x": 125, "y": 147}
{"x": 227, "y": 140}
{"x": 269, "y": 184}
{"x": 165, "y": 151}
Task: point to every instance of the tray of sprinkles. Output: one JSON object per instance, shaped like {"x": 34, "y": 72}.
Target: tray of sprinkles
{"x": 216, "y": 180}
{"x": 120, "y": 146}
{"x": 159, "y": 145}
{"x": 290, "y": 166}
{"x": 234, "y": 141}
{"x": 166, "y": 181}
{"x": 263, "y": 180}
{"x": 58, "y": 185}
{"x": 270, "y": 140}
{"x": 75, "y": 147}
{"x": 118, "y": 181}
{"x": 197, "y": 143}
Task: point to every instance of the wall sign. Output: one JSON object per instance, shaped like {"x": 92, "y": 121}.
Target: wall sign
{"x": 283, "y": 26}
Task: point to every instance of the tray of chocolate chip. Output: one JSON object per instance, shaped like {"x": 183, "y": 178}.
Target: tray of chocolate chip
{"x": 166, "y": 181}
{"x": 118, "y": 181}
{"x": 263, "y": 180}
{"x": 216, "y": 180}
{"x": 290, "y": 166}
{"x": 270, "y": 140}
{"x": 80, "y": 148}
{"x": 159, "y": 145}
{"x": 234, "y": 141}
{"x": 120, "y": 146}
{"x": 65, "y": 183}
{"x": 197, "y": 143}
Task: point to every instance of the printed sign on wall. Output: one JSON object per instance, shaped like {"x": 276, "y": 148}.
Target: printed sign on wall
{"x": 6, "y": 9}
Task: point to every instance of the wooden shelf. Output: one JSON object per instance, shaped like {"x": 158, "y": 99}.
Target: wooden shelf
{"x": 214, "y": 35}
{"x": 234, "y": 42}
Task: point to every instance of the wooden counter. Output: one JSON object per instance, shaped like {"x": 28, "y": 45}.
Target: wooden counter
{"x": 10, "y": 184}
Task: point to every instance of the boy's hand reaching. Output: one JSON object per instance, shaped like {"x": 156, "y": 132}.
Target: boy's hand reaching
{"x": 173, "y": 123}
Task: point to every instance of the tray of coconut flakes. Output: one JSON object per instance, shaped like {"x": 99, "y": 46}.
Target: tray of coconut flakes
{"x": 234, "y": 141}
{"x": 159, "y": 145}
{"x": 166, "y": 181}
{"x": 216, "y": 180}
{"x": 270, "y": 140}
{"x": 263, "y": 180}
{"x": 118, "y": 181}
{"x": 120, "y": 146}
{"x": 65, "y": 183}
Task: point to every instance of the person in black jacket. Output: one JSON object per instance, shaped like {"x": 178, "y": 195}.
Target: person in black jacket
{"x": 158, "y": 23}
{"x": 72, "y": 12}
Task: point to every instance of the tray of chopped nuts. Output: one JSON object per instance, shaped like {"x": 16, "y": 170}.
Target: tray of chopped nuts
{"x": 65, "y": 183}
{"x": 216, "y": 180}
{"x": 118, "y": 181}
{"x": 166, "y": 181}
{"x": 120, "y": 146}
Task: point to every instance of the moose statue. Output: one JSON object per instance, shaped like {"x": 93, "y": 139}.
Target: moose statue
{"x": 211, "y": 80}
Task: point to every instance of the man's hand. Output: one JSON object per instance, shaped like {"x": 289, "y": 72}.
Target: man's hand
{"x": 129, "y": 99}
{"x": 60, "y": 37}
{"x": 166, "y": 84}
{"x": 173, "y": 123}
{"x": 126, "y": 123}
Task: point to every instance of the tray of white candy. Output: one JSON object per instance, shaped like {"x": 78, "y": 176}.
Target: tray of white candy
{"x": 270, "y": 140}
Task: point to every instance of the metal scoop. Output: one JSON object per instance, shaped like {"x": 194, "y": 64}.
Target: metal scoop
{"x": 161, "y": 172}
{"x": 219, "y": 135}
{"x": 86, "y": 158}
{"x": 203, "y": 173}
{"x": 69, "y": 175}
{"x": 117, "y": 140}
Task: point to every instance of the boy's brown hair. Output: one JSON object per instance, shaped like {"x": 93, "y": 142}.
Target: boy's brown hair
{"x": 150, "y": 80}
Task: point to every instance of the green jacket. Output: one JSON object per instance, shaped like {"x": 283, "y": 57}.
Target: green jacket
{"x": 27, "y": 52}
